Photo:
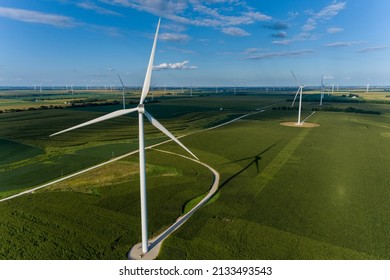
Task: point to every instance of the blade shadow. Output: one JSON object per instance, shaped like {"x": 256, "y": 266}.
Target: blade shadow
{"x": 256, "y": 160}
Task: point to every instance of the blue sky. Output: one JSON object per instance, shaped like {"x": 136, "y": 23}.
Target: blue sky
{"x": 201, "y": 43}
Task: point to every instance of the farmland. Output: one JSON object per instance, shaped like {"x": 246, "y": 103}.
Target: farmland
{"x": 285, "y": 192}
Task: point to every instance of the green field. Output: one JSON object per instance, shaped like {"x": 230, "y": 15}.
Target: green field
{"x": 318, "y": 193}
{"x": 285, "y": 192}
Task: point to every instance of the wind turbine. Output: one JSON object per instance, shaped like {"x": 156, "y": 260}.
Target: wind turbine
{"x": 123, "y": 92}
{"x": 300, "y": 88}
{"x": 141, "y": 112}
{"x": 368, "y": 88}
{"x": 322, "y": 89}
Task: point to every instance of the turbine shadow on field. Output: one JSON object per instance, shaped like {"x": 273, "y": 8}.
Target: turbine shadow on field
{"x": 255, "y": 160}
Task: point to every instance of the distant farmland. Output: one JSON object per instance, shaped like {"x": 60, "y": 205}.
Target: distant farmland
{"x": 285, "y": 193}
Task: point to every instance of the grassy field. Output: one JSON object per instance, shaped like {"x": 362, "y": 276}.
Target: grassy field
{"x": 285, "y": 192}
{"x": 290, "y": 193}
{"x": 96, "y": 216}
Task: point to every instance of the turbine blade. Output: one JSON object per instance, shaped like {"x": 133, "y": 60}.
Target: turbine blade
{"x": 123, "y": 86}
{"x": 167, "y": 133}
{"x": 148, "y": 76}
{"x": 99, "y": 119}
{"x": 292, "y": 105}
{"x": 295, "y": 78}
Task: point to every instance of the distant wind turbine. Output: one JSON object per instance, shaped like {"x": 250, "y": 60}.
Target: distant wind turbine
{"x": 368, "y": 88}
{"x": 299, "y": 91}
{"x": 322, "y": 89}
{"x": 123, "y": 92}
{"x": 141, "y": 112}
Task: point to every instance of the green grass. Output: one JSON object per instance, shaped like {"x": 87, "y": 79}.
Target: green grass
{"x": 13, "y": 152}
{"x": 320, "y": 193}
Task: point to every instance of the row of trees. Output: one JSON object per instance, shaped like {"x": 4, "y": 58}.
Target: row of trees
{"x": 71, "y": 105}
{"x": 347, "y": 110}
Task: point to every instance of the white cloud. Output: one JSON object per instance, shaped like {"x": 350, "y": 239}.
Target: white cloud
{"x": 325, "y": 14}
{"x": 281, "y": 54}
{"x": 330, "y": 11}
{"x": 88, "y": 5}
{"x": 54, "y": 20}
{"x": 371, "y": 49}
{"x": 283, "y": 42}
{"x": 333, "y": 30}
{"x": 293, "y": 14}
{"x": 342, "y": 44}
{"x": 217, "y": 14}
{"x": 251, "y": 50}
{"x": 173, "y": 27}
{"x": 235, "y": 31}
{"x": 257, "y": 16}
{"x": 310, "y": 25}
{"x": 38, "y": 17}
{"x": 175, "y": 66}
{"x": 174, "y": 37}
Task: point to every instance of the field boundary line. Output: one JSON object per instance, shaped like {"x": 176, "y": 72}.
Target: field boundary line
{"x": 371, "y": 123}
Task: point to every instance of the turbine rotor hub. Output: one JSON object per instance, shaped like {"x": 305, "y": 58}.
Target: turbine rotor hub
{"x": 141, "y": 108}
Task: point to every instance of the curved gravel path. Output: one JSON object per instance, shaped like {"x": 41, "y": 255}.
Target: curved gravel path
{"x": 155, "y": 243}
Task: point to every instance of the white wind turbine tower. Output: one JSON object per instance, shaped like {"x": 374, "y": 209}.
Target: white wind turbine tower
{"x": 123, "y": 92}
{"x": 141, "y": 112}
{"x": 368, "y": 88}
{"x": 299, "y": 91}
{"x": 322, "y": 89}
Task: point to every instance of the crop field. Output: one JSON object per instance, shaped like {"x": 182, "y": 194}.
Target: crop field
{"x": 320, "y": 193}
{"x": 285, "y": 192}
